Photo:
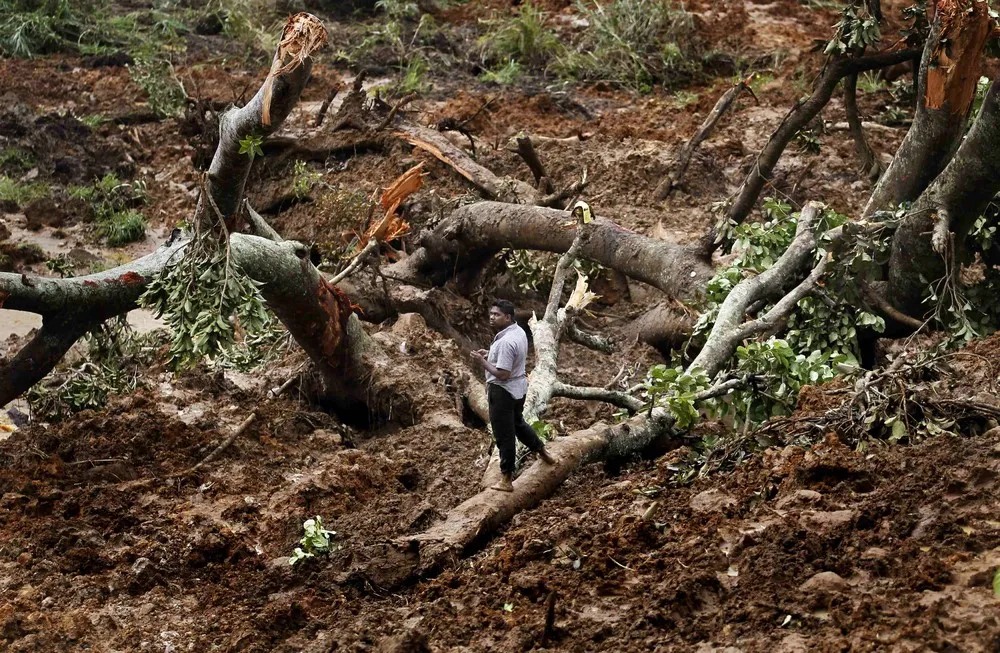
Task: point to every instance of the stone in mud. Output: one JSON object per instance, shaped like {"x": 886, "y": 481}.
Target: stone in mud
{"x": 826, "y": 522}
{"x": 712, "y": 501}
{"x": 799, "y": 499}
{"x": 825, "y": 582}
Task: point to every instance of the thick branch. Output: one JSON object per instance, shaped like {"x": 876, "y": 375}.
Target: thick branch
{"x": 952, "y": 202}
{"x": 589, "y": 340}
{"x": 799, "y": 117}
{"x": 728, "y": 331}
{"x": 871, "y": 167}
{"x": 475, "y": 232}
{"x": 621, "y": 399}
{"x": 228, "y": 173}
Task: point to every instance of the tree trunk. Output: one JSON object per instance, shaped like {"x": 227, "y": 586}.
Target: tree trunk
{"x": 959, "y": 195}
{"x": 949, "y": 71}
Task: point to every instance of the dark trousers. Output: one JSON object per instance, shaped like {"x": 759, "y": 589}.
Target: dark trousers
{"x": 508, "y": 423}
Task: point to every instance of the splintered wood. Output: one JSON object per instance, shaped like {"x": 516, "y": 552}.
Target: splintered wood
{"x": 965, "y": 26}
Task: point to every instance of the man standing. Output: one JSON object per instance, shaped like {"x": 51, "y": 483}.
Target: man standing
{"x": 507, "y": 385}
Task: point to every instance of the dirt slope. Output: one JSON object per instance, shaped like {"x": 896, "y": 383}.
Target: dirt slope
{"x": 102, "y": 549}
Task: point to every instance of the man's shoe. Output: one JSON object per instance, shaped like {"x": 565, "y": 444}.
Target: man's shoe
{"x": 546, "y": 457}
{"x": 505, "y": 484}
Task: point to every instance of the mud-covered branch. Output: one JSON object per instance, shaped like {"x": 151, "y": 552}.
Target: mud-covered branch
{"x": 707, "y": 126}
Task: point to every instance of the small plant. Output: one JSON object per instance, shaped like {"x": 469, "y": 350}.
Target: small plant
{"x": 16, "y": 160}
{"x": 315, "y": 541}
{"x": 61, "y": 266}
{"x": 414, "y": 76}
{"x": 398, "y": 9}
{"x": 808, "y": 141}
{"x": 251, "y": 145}
{"x": 507, "y": 74}
{"x": 303, "y": 179}
{"x": 683, "y": 99}
{"x": 870, "y": 82}
{"x": 155, "y": 75}
{"x": 114, "y": 203}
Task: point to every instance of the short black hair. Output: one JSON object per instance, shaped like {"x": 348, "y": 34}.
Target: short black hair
{"x": 505, "y": 306}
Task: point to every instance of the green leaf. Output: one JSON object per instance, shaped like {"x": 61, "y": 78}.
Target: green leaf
{"x": 996, "y": 583}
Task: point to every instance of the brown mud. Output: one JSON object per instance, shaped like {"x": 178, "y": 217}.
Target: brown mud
{"x": 106, "y": 545}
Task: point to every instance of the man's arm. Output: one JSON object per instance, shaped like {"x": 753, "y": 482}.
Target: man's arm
{"x": 501, "y": 374}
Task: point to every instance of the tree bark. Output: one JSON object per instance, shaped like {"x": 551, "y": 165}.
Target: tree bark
{"x": 952, "y": 202}
{"x": 871, "y": 167}
{"x": 949, "y": 70}
{"x": 473, "y": 233}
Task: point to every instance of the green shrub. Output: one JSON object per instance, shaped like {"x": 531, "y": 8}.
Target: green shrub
{"x": 505, "y": 75}
{"x": 155, "y": 75}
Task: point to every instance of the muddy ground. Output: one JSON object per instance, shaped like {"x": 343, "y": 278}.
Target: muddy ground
{"x": 103, "y": 546}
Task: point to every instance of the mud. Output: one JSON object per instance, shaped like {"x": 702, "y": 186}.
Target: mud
{"x": 107, "y": 544}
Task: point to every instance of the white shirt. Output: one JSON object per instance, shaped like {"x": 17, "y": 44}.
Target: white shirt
{"x": 509, "y": 351}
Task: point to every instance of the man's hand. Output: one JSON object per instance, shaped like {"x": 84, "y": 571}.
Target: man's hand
{"x": 483, "y": 352}
{"x": 479, "y": 356}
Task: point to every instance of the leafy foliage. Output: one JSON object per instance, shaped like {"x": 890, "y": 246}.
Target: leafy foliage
{"x": 315, "y": 541}
{"x": 675, "y": 389}
{"x": 856, "y": 30}
{"x": 206, "y": 300}
{"x": 116, "y": 357}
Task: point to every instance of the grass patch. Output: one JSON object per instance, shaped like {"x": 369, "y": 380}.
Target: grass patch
{"x": 505, "y": 75}
{"x": 115, "y": 206}
{"x": 21, "y": 193}
{"x": 635, "y": 43}
{"x": 16, "y": 160}
{"x": 524, "y": 39}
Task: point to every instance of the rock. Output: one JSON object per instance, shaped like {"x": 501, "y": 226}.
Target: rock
{"x": 794, "y": 643}
{"x": 799, "y": 498}
{"x": 825, "y": 582}
{"x": 44, "y": 213}
{"x": 874, "y": 553}
{"x": 712, "y": 501}
{"x": 411, "y": 641}
{"x": 4, "y": 231}
{"x": 825, "y": 522}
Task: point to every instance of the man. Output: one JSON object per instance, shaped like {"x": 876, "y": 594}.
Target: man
{"x": 507, "y": 385}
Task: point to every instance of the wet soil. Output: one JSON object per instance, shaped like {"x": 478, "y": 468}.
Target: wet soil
{"x": 107, "y": 544}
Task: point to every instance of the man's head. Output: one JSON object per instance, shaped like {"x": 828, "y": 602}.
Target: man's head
{"x": 501, "y": 314}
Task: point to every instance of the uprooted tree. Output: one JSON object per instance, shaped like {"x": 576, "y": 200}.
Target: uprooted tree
{"x": 823, "y": 282}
